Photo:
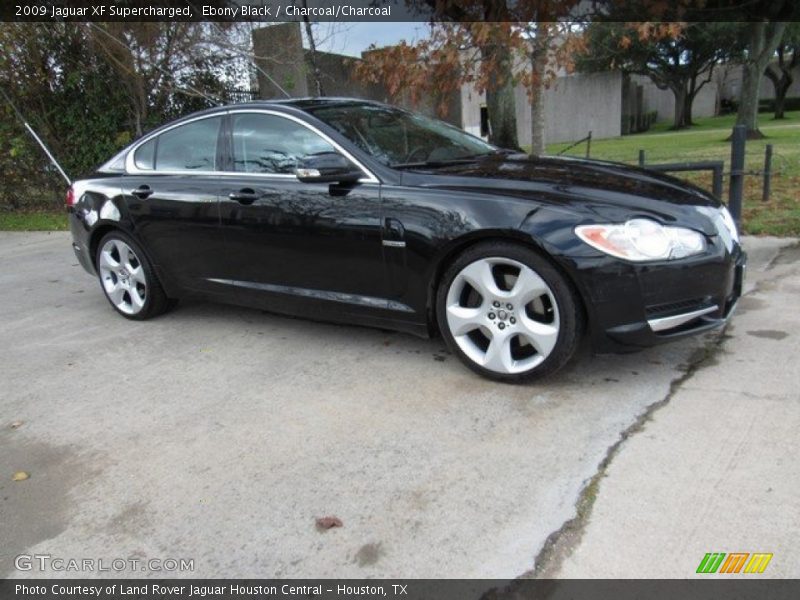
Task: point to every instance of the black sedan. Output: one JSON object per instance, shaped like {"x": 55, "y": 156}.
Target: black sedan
{"x": 353, "y": 211}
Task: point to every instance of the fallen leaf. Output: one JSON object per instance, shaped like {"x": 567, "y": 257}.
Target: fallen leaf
{"x": 20, "y": 476}
{"x": 324, "y": 523}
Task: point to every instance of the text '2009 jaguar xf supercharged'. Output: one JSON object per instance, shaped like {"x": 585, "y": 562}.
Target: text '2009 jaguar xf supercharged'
{"x": 359, "y": 212}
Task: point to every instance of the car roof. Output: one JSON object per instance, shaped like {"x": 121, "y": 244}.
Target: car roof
{"x": 305, "y": 104}
{"x": 310, "y": 102}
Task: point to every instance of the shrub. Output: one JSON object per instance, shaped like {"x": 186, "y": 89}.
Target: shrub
{"x": 767, "y": 105}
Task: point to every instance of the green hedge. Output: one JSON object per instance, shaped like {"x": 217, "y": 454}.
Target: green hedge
{"x": 768, "y": 104}
{"x": 638, "y": 123}
{"x": 765, "y": 105}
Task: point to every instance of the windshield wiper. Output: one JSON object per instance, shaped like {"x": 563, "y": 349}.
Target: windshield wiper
{"x": 443, "y": 162}
{"x": 498, "y": 152}
{"x": 434, "y": 163}
{"x": 454, "y": 161}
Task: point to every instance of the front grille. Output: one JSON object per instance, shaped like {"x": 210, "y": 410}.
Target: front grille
{"x": 656, "y": 311}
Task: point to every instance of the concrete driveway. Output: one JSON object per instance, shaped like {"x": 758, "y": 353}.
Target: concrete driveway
{"x": 219, "y": 434}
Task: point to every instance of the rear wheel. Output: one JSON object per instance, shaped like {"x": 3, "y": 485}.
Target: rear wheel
{"x": 128, "y": 279}
{"x": 508, "y": 313}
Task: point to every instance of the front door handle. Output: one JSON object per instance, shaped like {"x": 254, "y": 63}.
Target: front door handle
{"x": 245, "y": 196}
{"x": 394, "y": 233}
{"x": 143, "y": 191}
{"x": 394, "y": 229}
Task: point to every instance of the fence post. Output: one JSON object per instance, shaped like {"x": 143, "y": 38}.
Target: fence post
{"x": 589, "y": 145}
{"x": 736, "y": 186}
{"x": 767, "y": 173}
{"x": 716, "y": 181}
{"x": 641, "y": 158}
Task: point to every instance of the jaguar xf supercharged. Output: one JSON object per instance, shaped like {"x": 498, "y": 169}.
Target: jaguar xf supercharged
{"x": 358, "y": 212}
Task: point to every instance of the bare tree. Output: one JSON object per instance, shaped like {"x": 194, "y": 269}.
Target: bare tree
{"x": 312, "y": 54}
{"x": 156, "y": 61}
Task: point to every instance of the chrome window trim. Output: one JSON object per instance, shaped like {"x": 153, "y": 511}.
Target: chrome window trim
{"x": 132, "y": 169}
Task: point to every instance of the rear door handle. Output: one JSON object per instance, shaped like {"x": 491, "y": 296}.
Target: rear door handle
{"x": 245, "y": 196}
{"x": 143, "y": 191}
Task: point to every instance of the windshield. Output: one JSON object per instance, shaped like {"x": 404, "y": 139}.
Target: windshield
{"x": 397, "y": 137}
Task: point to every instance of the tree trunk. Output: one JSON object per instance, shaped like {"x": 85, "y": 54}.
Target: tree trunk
{"x": 312, "y": 56}
{"x": 780, "y": 101}
{"x": 538, "y": 141}
{"x": 763, "y": 40}
{"x": 688, "y": 103}
{"x": 500, "y": 102}
{"x": 748, "y": 99}
{"x": 781, "y": 84}
{"x": 679, "y": 116}
{"x": 536, "y": 93}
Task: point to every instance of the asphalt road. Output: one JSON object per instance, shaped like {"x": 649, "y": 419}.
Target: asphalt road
{"x": 219, "y": 434}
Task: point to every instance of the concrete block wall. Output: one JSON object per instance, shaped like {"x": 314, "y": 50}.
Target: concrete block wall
{"x": 574, "y": 105}
{"x": 579, "y": 103}
{"x": 283, "y": 44}
{"x": 729, "y": 79}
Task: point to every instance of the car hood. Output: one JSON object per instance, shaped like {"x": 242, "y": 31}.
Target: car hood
{"x": 576, "y": 183}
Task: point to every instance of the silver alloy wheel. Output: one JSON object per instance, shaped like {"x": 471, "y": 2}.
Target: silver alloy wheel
{"x": 123, "y": 277}
{"x": 502, "y": 315}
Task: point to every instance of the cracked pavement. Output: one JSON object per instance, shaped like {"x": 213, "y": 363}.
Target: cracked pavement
{"x": 220, "y": 434}
{"x": 714, "y": 469}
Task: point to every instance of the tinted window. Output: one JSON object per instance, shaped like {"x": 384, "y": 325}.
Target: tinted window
{"x": 397, "y": 137}
{"x": 145, "y": 154}
{"x": 191, "y": 147}
{"x": 271, "y": 144}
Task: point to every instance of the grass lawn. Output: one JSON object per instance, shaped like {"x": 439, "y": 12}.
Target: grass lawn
{"x": 33, "y": 221}
{"x": 706, "y": 141}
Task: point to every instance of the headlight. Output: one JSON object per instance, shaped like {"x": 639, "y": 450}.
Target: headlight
{"x": 642, "y": 239}
{"x": 729, "y": 223}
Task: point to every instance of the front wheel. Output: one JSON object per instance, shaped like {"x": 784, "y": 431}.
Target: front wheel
{"x": 507, "y": 313}
{"x": 128, "y": 279}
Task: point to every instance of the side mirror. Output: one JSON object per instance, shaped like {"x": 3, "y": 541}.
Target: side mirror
{"x": 327, "y": 167}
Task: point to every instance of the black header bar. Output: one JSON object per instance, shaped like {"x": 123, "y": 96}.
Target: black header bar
{"x": 740, "y": 588}
{"x": 278, "y": 11}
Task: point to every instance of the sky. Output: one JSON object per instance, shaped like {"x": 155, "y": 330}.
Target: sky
{"x": 353, "y": 38}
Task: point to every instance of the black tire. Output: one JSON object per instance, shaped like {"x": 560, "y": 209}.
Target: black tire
{"x": 156, "y": 301}
{"x": 570, "y": 316}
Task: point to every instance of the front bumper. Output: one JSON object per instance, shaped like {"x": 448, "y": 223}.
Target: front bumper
{"x": 633, "y": 306}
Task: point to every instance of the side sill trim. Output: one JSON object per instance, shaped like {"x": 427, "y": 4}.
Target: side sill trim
{"x": 666, "y": 323}
{"x": 345, "y": 298}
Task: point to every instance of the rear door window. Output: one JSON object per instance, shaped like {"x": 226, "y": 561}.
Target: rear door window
{"x": 190, "y": 147}
{"x": 145, "y": 155}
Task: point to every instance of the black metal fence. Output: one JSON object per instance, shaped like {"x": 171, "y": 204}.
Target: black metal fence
{"x": 735, "y": 176}
{"x": 587, "y": 139}
{"x": 717, "y": 168}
